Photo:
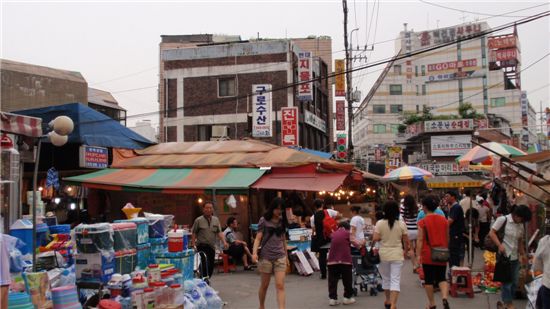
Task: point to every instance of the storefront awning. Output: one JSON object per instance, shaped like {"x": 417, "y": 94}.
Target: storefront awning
{"x": 21, "y": 125}
{"x": 454, "y": 181}
{"x": 170, "y": 181}
{"x": 300, "y": 179}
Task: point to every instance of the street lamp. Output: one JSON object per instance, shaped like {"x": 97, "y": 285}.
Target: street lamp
{"x": 62, "y": 126}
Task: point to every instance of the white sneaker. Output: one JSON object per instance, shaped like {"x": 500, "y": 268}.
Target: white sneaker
{"x": 333, "y": 302}
{"x": 348, "y": 301}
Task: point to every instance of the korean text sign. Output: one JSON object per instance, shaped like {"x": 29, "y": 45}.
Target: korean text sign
{"x": 340, "y": 115}
{"x": 261, "y": 111}
{"x": 93, "y": 157}
{"x": 450, "y": 145}
{"x": 340, "y": 81}
{"x": 289, "y": 136}
{"x": 305, "y": 90}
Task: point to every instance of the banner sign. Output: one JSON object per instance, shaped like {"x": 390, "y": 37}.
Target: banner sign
{"x": 314, "y": 121}
{"x": 524, "y": 109}
{"x": 394, "y": 158}
{"x": 447, "y": 35}
{"x": 340, "y": 78}
{"x": 455, "y": 184}
{"x": 446, "y": 168}
{"x": 340, "y": 115}
{"x": 450, "y": 76}
{"x": 503, "y": 54}
{"x": 289, "y": 136}
{"x": 449, "y": 125}
{"x": 451, "y": 65}
{"x": 261, "y": 111}
{"x": 93, "y": 157}
{"x": 450, "y": 145}
{"x": 305, "y": 90}
{"x": 502, "y": 42}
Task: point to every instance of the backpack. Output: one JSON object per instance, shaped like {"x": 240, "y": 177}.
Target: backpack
{"x": 329, "y": 225}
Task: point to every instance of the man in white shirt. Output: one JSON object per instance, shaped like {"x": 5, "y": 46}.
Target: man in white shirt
{"x": 357, "y": 224}
{"x": 465, "y": 201}
{"x": 542, "y": 263}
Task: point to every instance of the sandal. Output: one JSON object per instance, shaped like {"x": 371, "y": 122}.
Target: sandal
{"x": 445, "y": 304}
{"x": 387, "y": 306}
{"x": 248, "y": 267}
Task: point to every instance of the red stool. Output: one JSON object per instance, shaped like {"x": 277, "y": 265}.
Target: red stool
{"x": 461, "y": 281}
{"x": 226, "y": 264}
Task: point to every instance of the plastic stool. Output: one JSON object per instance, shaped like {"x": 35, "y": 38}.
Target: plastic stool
{"x": 465, "y": 286}
{"x": 226, "y": 265}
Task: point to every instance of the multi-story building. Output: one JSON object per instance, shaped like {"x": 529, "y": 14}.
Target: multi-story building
{"x": 207, "y": 82}
{"x": 104, "y": 102}
{"x": 484, "y": 72}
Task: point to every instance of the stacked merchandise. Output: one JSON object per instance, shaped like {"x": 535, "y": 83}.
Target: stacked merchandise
{"x": 96, "y": 258}
{"x": 143, "y": 247}
{"x": 300, "y": 238}
{"x": 65, "y": 297}
{"x": 22, "y": 229}
{"x": 61, "y": 242}
{"x": 19, "y": 301}
{"x": 486, "y": 283}
{"x": 125, "y": 243}
{"x": 157, "y": 236}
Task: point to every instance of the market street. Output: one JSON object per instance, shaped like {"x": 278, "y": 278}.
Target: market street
{"x": 239, "y": 290}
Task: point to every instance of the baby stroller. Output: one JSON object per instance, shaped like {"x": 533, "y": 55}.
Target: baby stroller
{"x": 200, "y": 257}
{"x": 365, "y": 275}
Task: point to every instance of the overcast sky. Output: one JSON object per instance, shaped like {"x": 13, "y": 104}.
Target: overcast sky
{"x": 115, "y": 44}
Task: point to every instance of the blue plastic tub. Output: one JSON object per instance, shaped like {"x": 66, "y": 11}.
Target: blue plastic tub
{"x": 60, "y": 229}
{"x": 22, "y": 229}
{"x": 183, "y": 261}
{"x": 143, "y": 255}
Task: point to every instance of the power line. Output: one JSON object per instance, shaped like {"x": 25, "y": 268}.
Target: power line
{"x": 471, "y": 12}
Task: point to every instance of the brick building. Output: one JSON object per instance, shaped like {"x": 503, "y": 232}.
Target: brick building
{"x": 206, "y": 81}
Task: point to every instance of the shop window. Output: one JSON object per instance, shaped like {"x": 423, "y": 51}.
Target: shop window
{"x": 396, "y": 90}
{"x": 226, "y": 87}
{"x": 378, "y": 109}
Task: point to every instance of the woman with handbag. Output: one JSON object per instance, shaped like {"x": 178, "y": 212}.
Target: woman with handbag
{"x": 431, "y": 245}
{"x": 392, "y": 234}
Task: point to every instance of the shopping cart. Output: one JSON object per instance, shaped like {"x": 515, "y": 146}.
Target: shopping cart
{"x": 365, "y": 276}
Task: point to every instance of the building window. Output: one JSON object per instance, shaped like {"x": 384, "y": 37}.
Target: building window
{"x": 226, "y": 87}
{"x": 378, "y": 109}
{"x": 397, "y": 69}
{"x": 394, "y": 128}
{"x": 379, "y": 128}
{"x": 396, "y": 90}
{"x": 423, "y": 69}
{"x": 416, "y": 70}
{"x": 498, "y": 102}
{"x": 396, "y": 108}
{"x": 417, "y": 109}
{"x": 417, "y": 90}
{"x": 423, "y": 89}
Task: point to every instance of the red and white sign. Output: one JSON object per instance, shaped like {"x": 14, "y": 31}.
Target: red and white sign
{"x": 503, "y": 54}
{"x": 502, "y": 42}
{"x": 93, "y": 157}
{"x": 289, "y": 136}
{"x": 340, "y": 115}
{"x": 305, "y": 90}
{"x": 446, "y": 35}
{"x": 449, "y": 125}
{"x": 451, "y": 65}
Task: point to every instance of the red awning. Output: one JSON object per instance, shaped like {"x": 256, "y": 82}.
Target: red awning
{"x": 21, "y": 125}
{"x": 300, "y": 179}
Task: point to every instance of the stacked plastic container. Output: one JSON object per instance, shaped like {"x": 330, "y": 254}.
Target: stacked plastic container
{"x": 22, "y": 229}
{"x": 19, "y": 301}
{"x": 65, "y": 297}
{"x": 143, "y": 247}
{"x": 96, "y": 258}
{"x": 125, "y": 243}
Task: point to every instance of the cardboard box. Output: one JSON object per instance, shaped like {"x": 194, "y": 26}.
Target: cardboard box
{"x": 95, "y": 266}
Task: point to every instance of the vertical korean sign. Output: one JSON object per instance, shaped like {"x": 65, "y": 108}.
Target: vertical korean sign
{"x": 548, "y": 122}
{"x": 289, "y": 136}
{"x": 340, "y": 78}
{"x": 261, "y": 111}
{"x": 524, "y": 109}
{"x": 305, "y": 90}
{"x": 340, "y": 115}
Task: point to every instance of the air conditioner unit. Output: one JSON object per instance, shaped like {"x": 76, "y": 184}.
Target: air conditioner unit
{"x": 219, "y": 131}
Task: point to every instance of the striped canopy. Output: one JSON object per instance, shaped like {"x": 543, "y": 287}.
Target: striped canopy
{"x": 408, "y": 173}
{"x": 480, "y": 154}
{"x": 171, "y": 181}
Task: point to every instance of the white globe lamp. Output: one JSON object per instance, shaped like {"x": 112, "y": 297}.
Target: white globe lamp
{"x": 62, "y": 125}
{"x": 58, "y": 140}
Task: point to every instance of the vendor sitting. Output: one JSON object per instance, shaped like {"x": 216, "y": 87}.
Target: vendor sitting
{"x": 238, "y": 249}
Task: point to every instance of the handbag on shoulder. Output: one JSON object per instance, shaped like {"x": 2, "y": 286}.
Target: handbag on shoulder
{"x": 439, "y": 254}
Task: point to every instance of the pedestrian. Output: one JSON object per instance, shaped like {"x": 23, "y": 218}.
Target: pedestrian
{"x": 393, "y": 236}
{"x": 485, "y": 216}
{"x": 205, "y": 232}
{"x": 433, "y": 232}
{"x": 542, "y": 263}
{"x": 357, "y": 224}
{"x": 456, "y": 230}
{"x": 466, "y": 200}
{"x": 340, "y": 265}
{"x": 271, "y": 237}
{"x": 319, "y": 242}
{"x": 409, "y": 213}
{"x": 238, "y": 249}
{"x": 5, "y": 276}
{"x": 512, "y": 246}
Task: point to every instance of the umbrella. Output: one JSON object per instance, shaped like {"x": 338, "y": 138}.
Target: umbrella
{"x": 480, "y": 154}
{"x": 408, "y": 173}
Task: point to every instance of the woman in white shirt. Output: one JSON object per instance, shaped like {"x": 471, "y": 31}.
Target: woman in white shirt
{"x": 357, "y": 224}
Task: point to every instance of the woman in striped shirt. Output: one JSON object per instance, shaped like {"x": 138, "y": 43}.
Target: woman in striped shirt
{"x": 409, "y": 212}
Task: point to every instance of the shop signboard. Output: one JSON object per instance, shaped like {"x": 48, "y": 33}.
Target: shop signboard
{"x": 524, "y": 109}
{"x": 261, "y": 111}
{"x": 452, "y": 65}
{"x": 289, "y": 136}
{"x": 340, "y": 115}
{"x": 502, "y": 42}
{"x": 314, "y": 121}
{"x": 93, "y": 157}
{"x": 455, "y": 184}
{"x": 394, "y": 158}
{"x": 305, "y": 90}
{"x": 445, "y": 168}
{"x": 507, "y": 54}
{"x": 340, "y": 78}
{"x": 449, "y": 125}
{"x": 446, "y": 35}
{"x": 450, "y": 145}
{"x": 450, "y": 76}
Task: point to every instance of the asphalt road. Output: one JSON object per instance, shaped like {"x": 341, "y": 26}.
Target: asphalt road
{"x": 239, "y": 290}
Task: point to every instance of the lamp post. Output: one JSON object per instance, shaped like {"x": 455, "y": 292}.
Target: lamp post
{"x": 62, "y": 126}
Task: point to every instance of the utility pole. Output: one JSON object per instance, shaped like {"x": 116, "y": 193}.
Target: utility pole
{"x": 349, "y": 95}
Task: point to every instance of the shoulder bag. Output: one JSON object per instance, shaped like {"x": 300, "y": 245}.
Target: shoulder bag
{"x": 488, "y": 242}
{"x": 439, "y": 254}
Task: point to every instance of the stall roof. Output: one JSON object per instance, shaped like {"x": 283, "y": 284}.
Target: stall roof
{"x": 534, "y": 157}
{"x": 171, "y": 181}
{"x": 304, "y": 178}
{"x": 91, "y": 127}
{"x": 21, "y": 125}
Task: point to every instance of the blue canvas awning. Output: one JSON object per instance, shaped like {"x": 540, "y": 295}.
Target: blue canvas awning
{"x": 91, "y": 127}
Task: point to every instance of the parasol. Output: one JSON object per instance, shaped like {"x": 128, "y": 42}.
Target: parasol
{"x": 484, "y": 152}
{"x": 408, "y": 173}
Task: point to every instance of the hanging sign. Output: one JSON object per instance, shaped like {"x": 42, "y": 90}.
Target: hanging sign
{"x": 261, "y": 111}
{"x": 93, "y": 157}
{"x": 340, "y": 78}
{"x": 340, "y": 115}
{"x": 289, "y": 134}
{"x": 305, "y": 90}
